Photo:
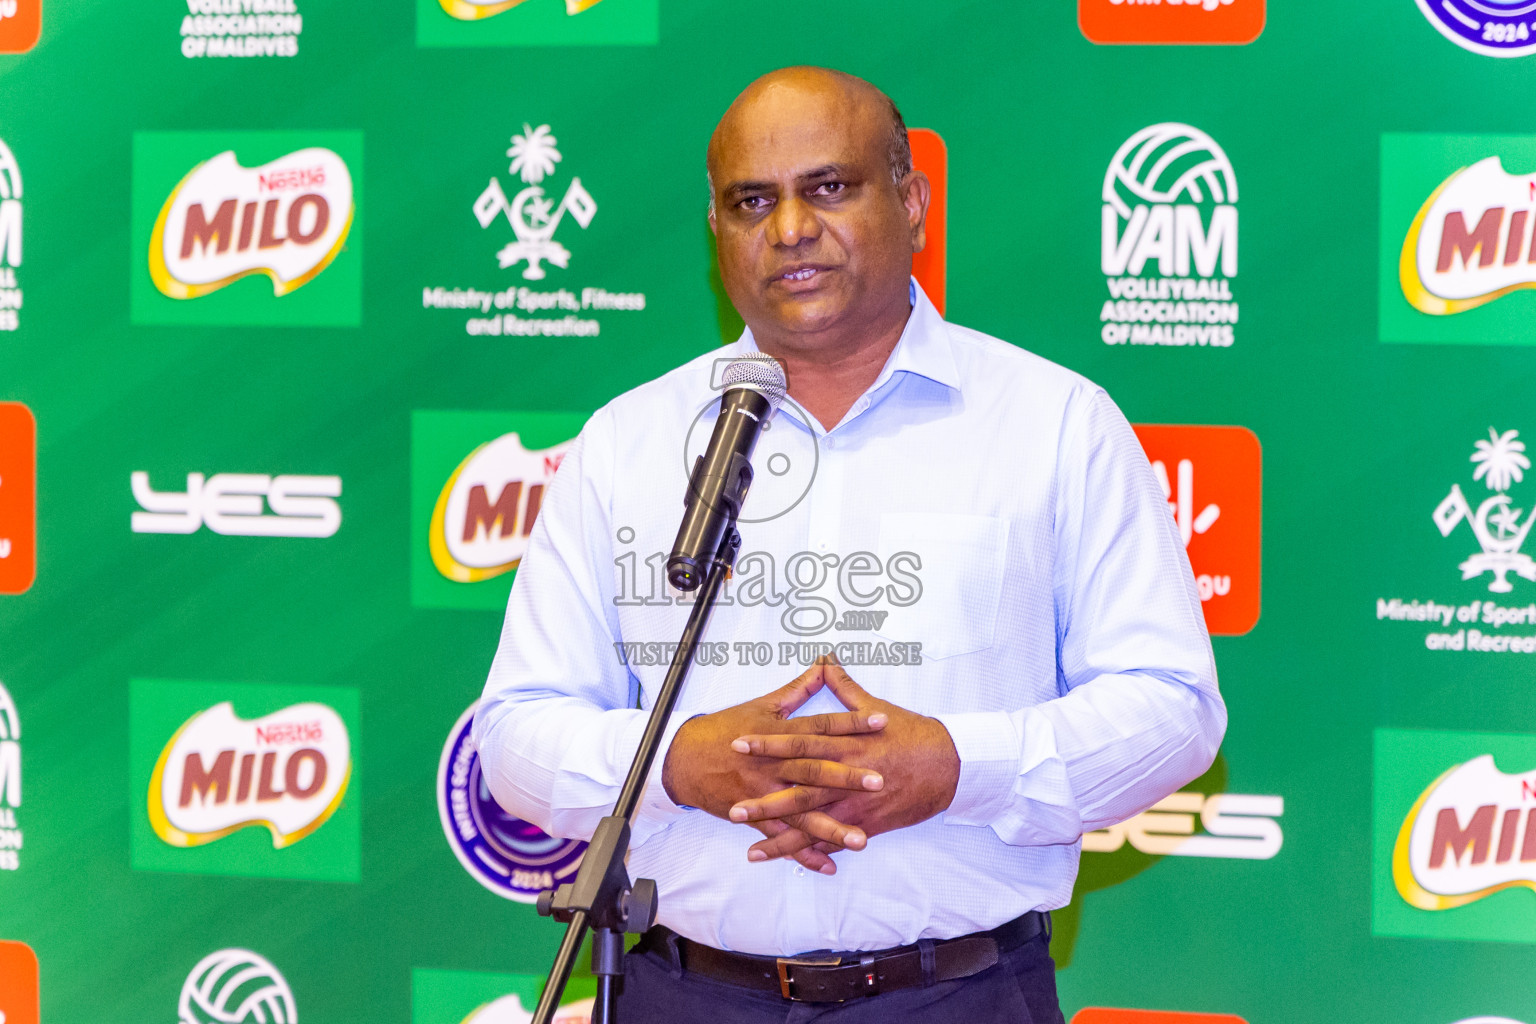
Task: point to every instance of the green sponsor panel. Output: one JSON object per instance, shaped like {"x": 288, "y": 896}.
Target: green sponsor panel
{"x": 537, "y": 22}
{"x": 1408, "y": 763}
{"x": 329, "y": 848}
{"x": 442, "y": 444}
{"x": 331, "y": 297}
{"x": 478, "y": 997}
{"x": 1413, "y": 166}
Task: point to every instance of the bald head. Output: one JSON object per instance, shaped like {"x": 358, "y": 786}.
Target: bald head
{"x": 796, "y": 92}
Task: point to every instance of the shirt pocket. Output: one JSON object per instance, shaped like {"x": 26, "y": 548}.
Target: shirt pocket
{"x": 958, "y": 561}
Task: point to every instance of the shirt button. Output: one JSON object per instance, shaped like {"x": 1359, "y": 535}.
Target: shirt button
{"x": 799, "y": 871}
{"x": 830, "y": 443}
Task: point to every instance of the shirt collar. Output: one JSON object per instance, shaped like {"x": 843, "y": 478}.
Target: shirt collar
{"x": 923, "y": 348}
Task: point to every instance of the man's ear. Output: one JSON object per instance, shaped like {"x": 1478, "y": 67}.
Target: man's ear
{"x": 713, "y": 228}
{"x": 916, "y": 192}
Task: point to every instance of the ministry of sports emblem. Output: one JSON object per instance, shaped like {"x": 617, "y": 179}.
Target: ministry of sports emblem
{"x": 533, "y": 214}
{"x": 1501, "y": 463}
{"x": 509, "y": 856}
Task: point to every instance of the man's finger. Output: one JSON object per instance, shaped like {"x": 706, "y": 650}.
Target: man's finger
{"x": 813, "y": 772}
{"x": 795, "y": 745}
{"x": 827, "y": 828}
{"x": 794, "y": 800}
{"x": 852, "y": 695}
{"x": 794, "y": 843}
{"x": 786, "y": 700}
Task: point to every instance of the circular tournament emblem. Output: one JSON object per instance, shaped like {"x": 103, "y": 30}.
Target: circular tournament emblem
{"x": 507, "y": 855}
{"x": 1497, "y": 28}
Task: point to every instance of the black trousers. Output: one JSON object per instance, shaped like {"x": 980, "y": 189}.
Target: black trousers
{"x": 1019, "y": 989}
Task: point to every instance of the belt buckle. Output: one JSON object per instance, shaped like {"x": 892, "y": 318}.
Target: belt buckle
{"x": 787, "y": 983}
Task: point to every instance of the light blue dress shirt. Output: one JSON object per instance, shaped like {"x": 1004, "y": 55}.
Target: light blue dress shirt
{"x": 1000, "y": 511}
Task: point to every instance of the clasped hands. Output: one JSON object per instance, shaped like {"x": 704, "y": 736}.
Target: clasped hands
{"x": 820, "y": 783}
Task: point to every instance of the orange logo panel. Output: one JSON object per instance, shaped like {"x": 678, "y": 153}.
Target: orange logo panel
{"x": 1212, "y": 478}
{"x": 1098, "y": 1015}
{"x": 18, "y": 498}
{"x": 20, "y": 23}
{"x": 931, "y": 157}
{"x": 18, "y": 983}
{"x": 1193, "y": 21}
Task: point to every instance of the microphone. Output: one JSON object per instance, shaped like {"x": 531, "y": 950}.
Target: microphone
{"x": 754, "y": 387}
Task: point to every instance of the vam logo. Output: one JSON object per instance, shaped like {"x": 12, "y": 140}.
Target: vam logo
{"x": 10, "y": 784}
{"x": 482, "y": 519}
{"x": 1212, "y": 480}
{"x": 10, "y": 235}
{"x": 231, "y": 503}
{"x": 1501, "y": 463}
{"x": 511, "y": 857}
{"x": 1171, "y": 21}
{"x": 18, "y": 498}
{"x": 236, "y": 986}
{"x": 251, "y": 780}
{"x": 1169, "y": 240}
{"x": 1237, "y": 827}
{"x": 286, "y": 771}
{"x": 1494, "y": 28}
{"x": 287, "y": 219}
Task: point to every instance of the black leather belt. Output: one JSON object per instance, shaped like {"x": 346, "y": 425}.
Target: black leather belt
{"x": 835, "y": 977}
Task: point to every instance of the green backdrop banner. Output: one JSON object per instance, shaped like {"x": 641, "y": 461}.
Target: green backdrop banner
{"x": 301, "y": 303}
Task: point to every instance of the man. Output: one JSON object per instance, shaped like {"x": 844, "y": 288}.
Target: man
{"x": 1039, "y": 665}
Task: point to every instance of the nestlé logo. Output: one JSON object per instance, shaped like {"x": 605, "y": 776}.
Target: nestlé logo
{"x": 486, "y": 510}
{"x": 220, "y": 773}
{"x": 287, "y": 219}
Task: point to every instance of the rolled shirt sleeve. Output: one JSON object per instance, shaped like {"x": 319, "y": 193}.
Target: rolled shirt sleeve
{"x": 1139, "y": 713}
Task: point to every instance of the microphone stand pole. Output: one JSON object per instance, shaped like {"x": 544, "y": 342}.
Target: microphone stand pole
{"x": 602, "y": 897}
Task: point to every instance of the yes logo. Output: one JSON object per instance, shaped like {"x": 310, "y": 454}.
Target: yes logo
{"x": 247, "y": 228}
{"x": 1454, "y": 827}
{"x": 478, "y": 481}
{"x": 1169, "y": 240}
{"x": 230, "y": 503}
{"x": 18, "y": 498}
{"x": 1236, "y": 827}
{"x": 252, "y": 780}
{"x": 1212, "y": 479}
{"x": 18, "y": 984}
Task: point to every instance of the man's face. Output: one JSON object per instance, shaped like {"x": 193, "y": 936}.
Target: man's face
{"x": 812, "y": 232}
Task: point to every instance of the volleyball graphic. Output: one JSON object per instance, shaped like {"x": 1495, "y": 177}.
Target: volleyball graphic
{"x": 1169, "y": 163}
{"x": 236, "y": 986}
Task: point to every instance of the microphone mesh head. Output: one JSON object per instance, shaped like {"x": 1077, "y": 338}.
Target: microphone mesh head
{"x": 761, "y": 373}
